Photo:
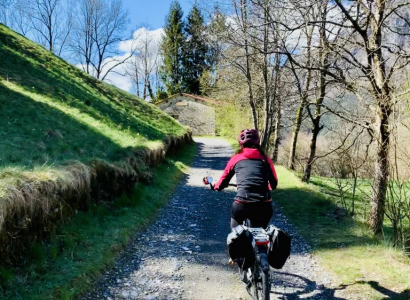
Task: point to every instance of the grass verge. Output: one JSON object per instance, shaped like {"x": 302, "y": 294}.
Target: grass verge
{"x": 359, "y": 265}
{"x": 81, "y": 250}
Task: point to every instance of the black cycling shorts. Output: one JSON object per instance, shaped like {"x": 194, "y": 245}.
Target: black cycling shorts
{"x": 259, "y": 213}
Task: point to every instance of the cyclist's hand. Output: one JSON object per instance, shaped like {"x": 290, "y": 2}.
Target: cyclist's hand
{"x": 217, "y": 189}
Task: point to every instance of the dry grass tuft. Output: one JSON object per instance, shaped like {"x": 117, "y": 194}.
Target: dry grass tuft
{"x": 35, "y": 202}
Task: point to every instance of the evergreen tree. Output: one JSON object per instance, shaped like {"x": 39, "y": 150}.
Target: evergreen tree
{"x": 195, "y": 52}
{"x": 172, "y": 49}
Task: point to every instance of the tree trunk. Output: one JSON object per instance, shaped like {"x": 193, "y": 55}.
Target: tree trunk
{"x": 277, "y": 136}
{"x": 266, "y": 86}
{"x": 313, "y": 142}
{"x": 298, "y": 123}
{"x": 324, "y": 64}
{"x": 377, "y": 201}
{"x": 302, "y": 105}
{"x": 277, "y": 104}
{"x": 382, "y": 93}
{"x": 248, "y": 67}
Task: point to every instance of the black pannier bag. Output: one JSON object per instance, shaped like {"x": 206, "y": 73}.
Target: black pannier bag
{"x": 240, "y": 247}
{"x": 279, "y": 247}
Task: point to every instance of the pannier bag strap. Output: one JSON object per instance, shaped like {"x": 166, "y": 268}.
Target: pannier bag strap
{"x": 275, "y": 235}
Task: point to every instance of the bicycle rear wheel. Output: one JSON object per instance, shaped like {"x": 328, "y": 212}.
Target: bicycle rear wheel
{"x": 263, "y": 286}
{"x": 259, "y": 285}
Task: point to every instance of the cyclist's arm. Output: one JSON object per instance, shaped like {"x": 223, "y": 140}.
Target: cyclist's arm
{"x": 227, "y": 175}
{"x": 273, "y": 178}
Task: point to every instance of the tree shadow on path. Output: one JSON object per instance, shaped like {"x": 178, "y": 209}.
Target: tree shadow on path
{"x": 288, "y": 286}
{"x": 405, "y": 295}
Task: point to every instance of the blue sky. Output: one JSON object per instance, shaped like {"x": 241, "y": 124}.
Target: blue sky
{"x": 151, "y": 12}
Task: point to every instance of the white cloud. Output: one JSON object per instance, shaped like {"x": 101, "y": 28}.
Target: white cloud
{"x": 138, "y": 38}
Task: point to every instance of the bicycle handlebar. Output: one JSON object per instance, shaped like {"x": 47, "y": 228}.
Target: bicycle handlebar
{"x": 208, "y": 180}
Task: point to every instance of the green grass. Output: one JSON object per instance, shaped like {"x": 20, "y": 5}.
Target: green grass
{"x": 361, "y": 201}
{"x": 70, "y": 263}
{"x": 52, "y": 112}
{"x": 359, "y": 265}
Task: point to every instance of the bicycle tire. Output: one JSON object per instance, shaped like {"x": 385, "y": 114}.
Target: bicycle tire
{"x": 264, "y": 286}
{"x": 252, "y": 285}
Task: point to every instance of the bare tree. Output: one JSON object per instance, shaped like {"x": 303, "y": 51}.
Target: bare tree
{"x": 370, "y": 59}
{"x": 99, "y": 26}
{"x": 367, "y": 60}
{"x": 250, "y": 40}
{"x": 51, "y": 21}
{"x": 303, "y": 78}
{"x": 20, "y": 17}
{"x": 323, "y": 62}
{"x": 5, "y": 11}
{"x": 144, "y": 63}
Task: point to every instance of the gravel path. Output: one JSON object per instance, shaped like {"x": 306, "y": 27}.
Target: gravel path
{"x": 183, "y": 254}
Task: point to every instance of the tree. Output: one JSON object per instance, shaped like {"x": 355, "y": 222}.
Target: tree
{"x": 144, "y": 63}
{"x": 196, "y": 51}
{"x": 51, "y": 22}
{"x": 303, "y": 78}
{"x": 323, "y": 62}
{"x": 172, "y": 49}
{"x": 251, "y": 42}
{"x": 98, "y": 27}
{"x": 5, "y": 11}
{"x": 20, "y": 17}
{"x": 369, "y": 59}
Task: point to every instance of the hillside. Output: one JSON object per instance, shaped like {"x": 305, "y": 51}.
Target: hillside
{"x": 67, "y": 138}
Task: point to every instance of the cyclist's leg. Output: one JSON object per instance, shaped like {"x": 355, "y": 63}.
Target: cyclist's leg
{"x": 239, "y": 212}
{"x": 238, "y": 215}
{"x": 261, "y": 213}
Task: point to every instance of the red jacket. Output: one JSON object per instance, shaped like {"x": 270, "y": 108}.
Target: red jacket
{"x": 255, "y": 175}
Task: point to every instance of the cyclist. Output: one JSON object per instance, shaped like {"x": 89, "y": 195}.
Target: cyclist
{"x": 255, "y": 177}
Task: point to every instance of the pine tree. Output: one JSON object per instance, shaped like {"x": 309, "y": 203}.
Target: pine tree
{"x": 172, "y": 49}
{"x": 195, "y": 52}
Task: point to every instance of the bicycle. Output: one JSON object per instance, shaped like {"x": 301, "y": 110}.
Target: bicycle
{"x": 257, "y": 276}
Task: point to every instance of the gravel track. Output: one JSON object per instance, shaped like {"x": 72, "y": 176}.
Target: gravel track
{"x": 183, "y": 255}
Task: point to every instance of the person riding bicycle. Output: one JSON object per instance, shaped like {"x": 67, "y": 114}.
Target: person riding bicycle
{"x": 255, "y": 177}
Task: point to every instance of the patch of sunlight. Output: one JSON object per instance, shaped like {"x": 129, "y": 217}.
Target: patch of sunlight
{"x": 11, "y": 176}
{"x": 153, "y": 144}
{"x": 288, "y": 179}
{"x": 121, "y": 138}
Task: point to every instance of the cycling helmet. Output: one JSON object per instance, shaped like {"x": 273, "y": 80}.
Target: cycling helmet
{"x": 249, "y": 136}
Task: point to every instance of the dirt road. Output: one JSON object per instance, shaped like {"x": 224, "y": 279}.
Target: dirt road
{"x": 183, "y": 254}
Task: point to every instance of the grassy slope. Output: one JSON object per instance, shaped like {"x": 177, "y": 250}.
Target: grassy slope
{"x": 74, "y": 259}
{"x": 52, "y": 112}
{"x": 360, "y": 265}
